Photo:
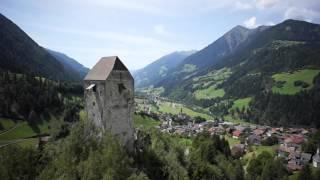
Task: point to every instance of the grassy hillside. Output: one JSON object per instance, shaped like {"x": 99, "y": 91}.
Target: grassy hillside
{"x": 159, "y": 69}
{"x": 145, "y": 122}
{"x": 173, "y": 108}
{"x": 176, "y": 108}
{"x": 209, "y": 93}
{"x": 276, "y": 66}
{"x": 6, "y": 124}
{"x": 188, "y": 68}
{"x": 285, "y": 82}
{"x": 213, "y": 78}
{"x": 21, "y": 133}
{"x": 241, "y": 103}
{"x": 24, "y": 130}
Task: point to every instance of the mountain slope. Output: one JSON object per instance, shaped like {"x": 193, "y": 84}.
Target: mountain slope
{"x": 70, "y": 64}
{"x": 225, "y": 45}
{"x": 199, "y": 63}
{"x": 158, "y": 70}
{"x": 20, "y": 54}
{"x": 257, "y": 39}
{"x": 275, "y": 67}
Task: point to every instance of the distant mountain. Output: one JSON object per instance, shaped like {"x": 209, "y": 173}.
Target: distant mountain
{"x": 220, "y": 48}
{"x": 235, "y": 47}
{"x": 199, "y": 62}
{"x": 159, "y": 69}
{"x": 69, "y": 63}
{"x": 270, "y": 67}
{"x": 20, "y": 54}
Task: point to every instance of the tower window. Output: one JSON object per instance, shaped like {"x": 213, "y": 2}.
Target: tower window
{"x": 121, "y": 87}
{"x": 91, "y": 87}
{"x": 93, "y": 103}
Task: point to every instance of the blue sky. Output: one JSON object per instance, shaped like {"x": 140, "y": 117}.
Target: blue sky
{"x": 141, "y": 31}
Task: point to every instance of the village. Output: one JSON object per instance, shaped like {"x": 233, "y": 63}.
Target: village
{"x": 287, "y": 141}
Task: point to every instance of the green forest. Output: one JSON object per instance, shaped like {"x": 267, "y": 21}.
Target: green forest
{"x": 81, "y": 155}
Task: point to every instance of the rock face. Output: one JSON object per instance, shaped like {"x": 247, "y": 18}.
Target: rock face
{"x": 109, "y": 98}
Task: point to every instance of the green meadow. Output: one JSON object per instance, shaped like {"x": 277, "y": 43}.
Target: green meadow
{"x": 256, "y": 150}
{"x": 145, "y": 122}
{"x": 21, "y": 133}
{"x": 23, "y": 130}
{"x": 241, "y": 103}
{"x": 209, "y": 93}
{"x": 6, "y": 124}
{"x": 176, "y": 108}
{"x": 287, "y": 81}
{"x": 231, "y": 141}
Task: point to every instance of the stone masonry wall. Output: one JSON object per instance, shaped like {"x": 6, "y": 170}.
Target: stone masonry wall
{"x": 111, "y": 106}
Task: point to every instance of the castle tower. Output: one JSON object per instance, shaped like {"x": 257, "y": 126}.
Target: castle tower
{"x": 109, "y": 98}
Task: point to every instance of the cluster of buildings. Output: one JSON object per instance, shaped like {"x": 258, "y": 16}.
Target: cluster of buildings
{"x": 287, "y": 140}
{"x": 290, "y": 149}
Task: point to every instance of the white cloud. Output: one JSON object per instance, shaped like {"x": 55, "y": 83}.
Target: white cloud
{"x": 264, "y": 4}
{"x": 251, "y": 22}
{"x": 106, "y": 27}
{"x": 270, "y": 23}
{"x": 108, "y": 36}
{"x": 238, "y": 5}
{"x": 171, "y": 7}
{"x": 146, "y": 6}
{"x": 301, "y": 14}
{"x": 161, "y": 30}
{"x": 135, "y": 50}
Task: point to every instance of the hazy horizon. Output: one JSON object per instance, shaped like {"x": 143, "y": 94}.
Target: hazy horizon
{"x": 140, "y": 32}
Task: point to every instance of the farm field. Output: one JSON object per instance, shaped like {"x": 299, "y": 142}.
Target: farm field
{"x": 24, "y": 130}
{"x": 209, "y": 93}
{"x": 28, "y": 142}
{"x": 6, "y": 124}
{"x": 140, "y": 105}
{"x": 188, "y": 68}
{"x": 183, "y": 142}
{"x": 20, "y": 132}
{"x": 256, "y": 150}
{"x": 176, "y": 108}
{"x": 144, "y": 122}
{"x": 208, "y": 84}
{"x": 287, "y": 81}
{"x": 213, "y": 78}
{"x": 241, "y": 103}
{"x": 231, "y": 140}
{"x": 236, "y": 120}
{"x": 151, "y": 90}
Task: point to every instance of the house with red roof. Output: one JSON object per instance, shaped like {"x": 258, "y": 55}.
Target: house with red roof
{"x": 236, "y": 134}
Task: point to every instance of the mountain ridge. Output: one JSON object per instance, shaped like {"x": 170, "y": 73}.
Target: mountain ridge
{"x": 69, "y": 63}
{"x": 248, "y": 69}
{"x": 21, "y": 54}
{"x": 159, "y": 68}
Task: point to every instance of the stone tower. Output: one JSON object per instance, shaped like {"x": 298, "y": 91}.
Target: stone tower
{"x": 109, "y": 98}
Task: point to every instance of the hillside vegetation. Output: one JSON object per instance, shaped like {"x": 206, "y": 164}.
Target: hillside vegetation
{"x": 209, "y": 93}
{"x": 276, "y": 66}
{"x": 241, "y": 103}
{"x": 159, "y": 69}
{"x": 294, "y": 82}
{"x": 158, "y": 156}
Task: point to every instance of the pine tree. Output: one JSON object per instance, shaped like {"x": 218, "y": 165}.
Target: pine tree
{"x": 305, "y": 173}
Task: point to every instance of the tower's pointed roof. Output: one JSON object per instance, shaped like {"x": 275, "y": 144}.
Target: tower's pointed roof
{"x": 102, "y": 69}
